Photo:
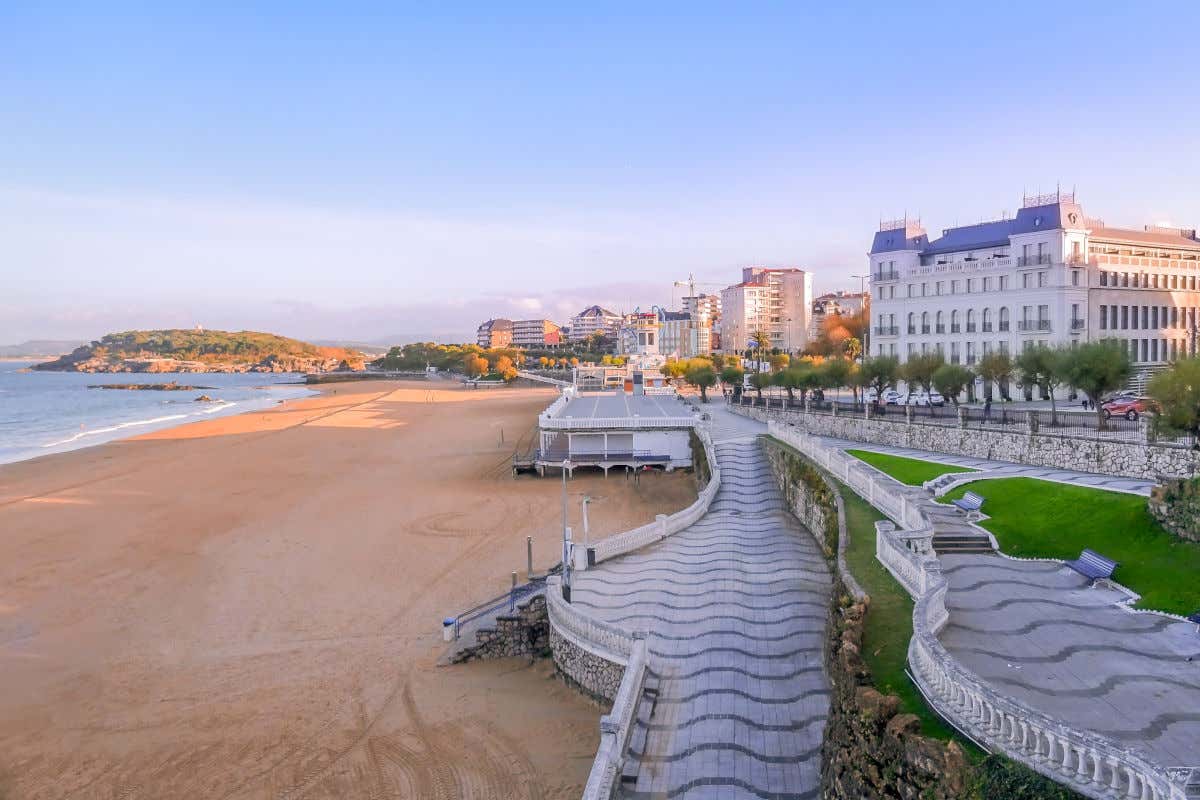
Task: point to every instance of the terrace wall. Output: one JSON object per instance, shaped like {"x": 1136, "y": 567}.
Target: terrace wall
{"x": 1129, "y": 459}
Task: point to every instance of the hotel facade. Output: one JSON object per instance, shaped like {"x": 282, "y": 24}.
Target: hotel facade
{"x": 775, "y": 301}
{"x": 1051, "y": 275}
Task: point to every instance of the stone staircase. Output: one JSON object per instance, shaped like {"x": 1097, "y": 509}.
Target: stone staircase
{"x": 962, "y": 543}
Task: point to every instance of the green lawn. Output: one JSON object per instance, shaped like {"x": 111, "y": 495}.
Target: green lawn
{"x": 1041, "y": 519}
{"x": 889, "y": 621}
{"x": 906, "y": 470}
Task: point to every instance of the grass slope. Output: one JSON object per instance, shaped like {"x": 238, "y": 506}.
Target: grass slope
{"x": 889, "y": 622}
{"x": 910, "y": 471}
{"x": 1041, "y": 519}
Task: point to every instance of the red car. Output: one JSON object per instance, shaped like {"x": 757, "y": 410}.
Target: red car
{"x": 1128, "y": 407}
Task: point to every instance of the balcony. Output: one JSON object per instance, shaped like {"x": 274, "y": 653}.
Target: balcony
{"x": 886, "y": 275}
{"x": 1030, "y": 325}
{"x": 924, "y": 329}
{"x": 1078, "y": 324}
{"x": 887, "y": 330}
{"x": 987, "y": 327}
{"x": 955, "y": 327}
{"x": 970, "y": 327}
{"x": 939, "y": 328}
{"x": 1002, "y": 325}
{"x": 1033, "y": 261}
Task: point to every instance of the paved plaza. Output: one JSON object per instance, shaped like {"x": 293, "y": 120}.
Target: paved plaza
{"x": 1039, "y": 634}
{"x": 736, "y": 606}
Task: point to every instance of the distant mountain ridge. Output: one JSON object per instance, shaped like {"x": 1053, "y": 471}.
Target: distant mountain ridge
{"x": 40, "y": 348}
{"x": 179, "y": 350}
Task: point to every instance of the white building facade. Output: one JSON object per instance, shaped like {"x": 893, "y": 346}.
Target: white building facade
{"x": 777, "y": 301}
{"x": 1050, "y": 276}
{"x": 592, "y": 320}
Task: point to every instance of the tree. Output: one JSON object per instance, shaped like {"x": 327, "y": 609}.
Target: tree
{"x": 919, "y": 368}
{"x": 474, "y": 365}
{"x": 674, "y": 368}
{"x": 703, "y": 376}
{"x": 779, "y": 361}
{"x": 718, "y": 361}
{"x": 760, "y": 380}
{"x": 1177, "y": 392}
{"x": 793, "y": 378}
{"x": 995, "y": 367}
{"x": 759, "y": 342}
{"x": 951, "y": 380}
{"x": 881, "y": 373}
{"x": 1045, "y": 368}
{"x": 504, "y": 364}
{"x": 1097, "y": 368}
{"x": 734, "y": 377}
{"x": 853, "y": 348}
{"x": 835, "y": 373}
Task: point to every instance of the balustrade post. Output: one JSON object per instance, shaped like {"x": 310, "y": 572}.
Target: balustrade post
{"x": 1097, "y": 768}
{"x": 1066, "y": 759}
{"x": 1081, "y": 773}
{"x": 1114, "y": 782}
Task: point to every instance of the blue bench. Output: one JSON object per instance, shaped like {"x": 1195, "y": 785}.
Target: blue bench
{"x": 1091, "y": 564}
{"x": 969, "y": 502}
{"x": 1196, "y": 619}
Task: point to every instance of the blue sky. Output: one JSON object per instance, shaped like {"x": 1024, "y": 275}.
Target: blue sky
{"x": 366, "y": 170}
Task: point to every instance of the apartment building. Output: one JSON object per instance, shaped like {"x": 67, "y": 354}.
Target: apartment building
{"x": 705, "y": 311}
{"x": 592, "y": 320}
{"x": 535, "y": 334}
{"x": 683, "y": 336}
{"x": 841, "y": 302}
{"x": 495, "y": 333}
{"x": 1049, "y": 275}
{"x": 639, "y": 334}
{"x": 777, "y": 301}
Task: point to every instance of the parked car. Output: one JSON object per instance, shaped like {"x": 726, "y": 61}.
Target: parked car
{"x": 890, "y": 397}
{"x": 1128, "y": 407}
{"x": 921, "y": 399}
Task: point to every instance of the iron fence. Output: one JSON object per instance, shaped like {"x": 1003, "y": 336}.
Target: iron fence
{"x": 504, "y": 602}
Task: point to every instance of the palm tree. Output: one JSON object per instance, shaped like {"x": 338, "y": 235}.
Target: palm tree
{"x": 760, "y": 341}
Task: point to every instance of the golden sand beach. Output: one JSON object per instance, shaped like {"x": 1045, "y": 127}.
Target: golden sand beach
{"x": 249, "y": 607}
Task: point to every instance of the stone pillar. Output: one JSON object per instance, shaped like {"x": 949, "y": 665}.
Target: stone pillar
{"x": 867, "y": 410}
{"x": 962, "y": 417}
{"x": 907, "y": 414}
{"x": 833, "y": 407}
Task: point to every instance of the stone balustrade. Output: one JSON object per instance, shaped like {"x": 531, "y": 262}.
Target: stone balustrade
{"x": 664, "y": 525}
{"x": 616, "y": 727}
{"x": 1090, "y": 764}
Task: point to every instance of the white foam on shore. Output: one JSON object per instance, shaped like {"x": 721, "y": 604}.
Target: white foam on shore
{"x": 114, "y": 428}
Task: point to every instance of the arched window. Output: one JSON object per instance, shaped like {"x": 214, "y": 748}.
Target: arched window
{"x": 1003, "y": 318}
{"x": 940, "y": 322}
{"x": 987, "y": 319}
{"x": 912, "y": 325}
{"x": 924, "y": 322}
{"x": 954, "y": 321}
{"x": 970, "y": 320}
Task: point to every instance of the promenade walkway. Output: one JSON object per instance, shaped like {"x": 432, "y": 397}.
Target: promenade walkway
{"x": 1036, "y": 632}
{"x": 736, "y": 606}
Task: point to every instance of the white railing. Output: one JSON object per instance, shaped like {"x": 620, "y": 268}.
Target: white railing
{"x": 609, "y": 423}
{"x": 616, "y": 727}
{"x": 1087, "y": 762}
{"x": 665, "y": 525}
{"x": 559, "y": 403}
{"x": 589, "y": 633}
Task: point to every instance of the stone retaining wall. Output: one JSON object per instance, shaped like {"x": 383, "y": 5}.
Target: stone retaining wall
{"x": 1128, "y": 459}
{"x": 805, "y": 492}
{"x": 870, "y": 749}
{"x": 1176, "y": 506}
{"x": 594, "y": 675}
{"x": 526, "y": 633}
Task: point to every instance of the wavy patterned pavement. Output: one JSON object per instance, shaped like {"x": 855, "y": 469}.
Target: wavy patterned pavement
{"x": 1038, "y": 633}
{"x": 736, "y": 606}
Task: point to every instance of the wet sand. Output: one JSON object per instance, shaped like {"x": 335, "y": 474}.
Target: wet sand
{"x": 249, "y": 607}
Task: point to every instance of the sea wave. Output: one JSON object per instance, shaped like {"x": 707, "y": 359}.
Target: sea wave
{"x": 114, "y": 428}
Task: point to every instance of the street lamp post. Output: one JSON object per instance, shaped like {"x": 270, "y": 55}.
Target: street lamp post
{"x": 862, "y": 287}
{"x": 566, "y": 540}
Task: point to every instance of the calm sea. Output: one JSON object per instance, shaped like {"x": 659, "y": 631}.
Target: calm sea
{"x": 49, "y": 412}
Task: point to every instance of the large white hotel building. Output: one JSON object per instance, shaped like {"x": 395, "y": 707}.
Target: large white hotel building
{"x": 1050, "y": 275}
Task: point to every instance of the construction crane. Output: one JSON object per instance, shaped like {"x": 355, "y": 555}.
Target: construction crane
{"x": 691, "y": 283}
